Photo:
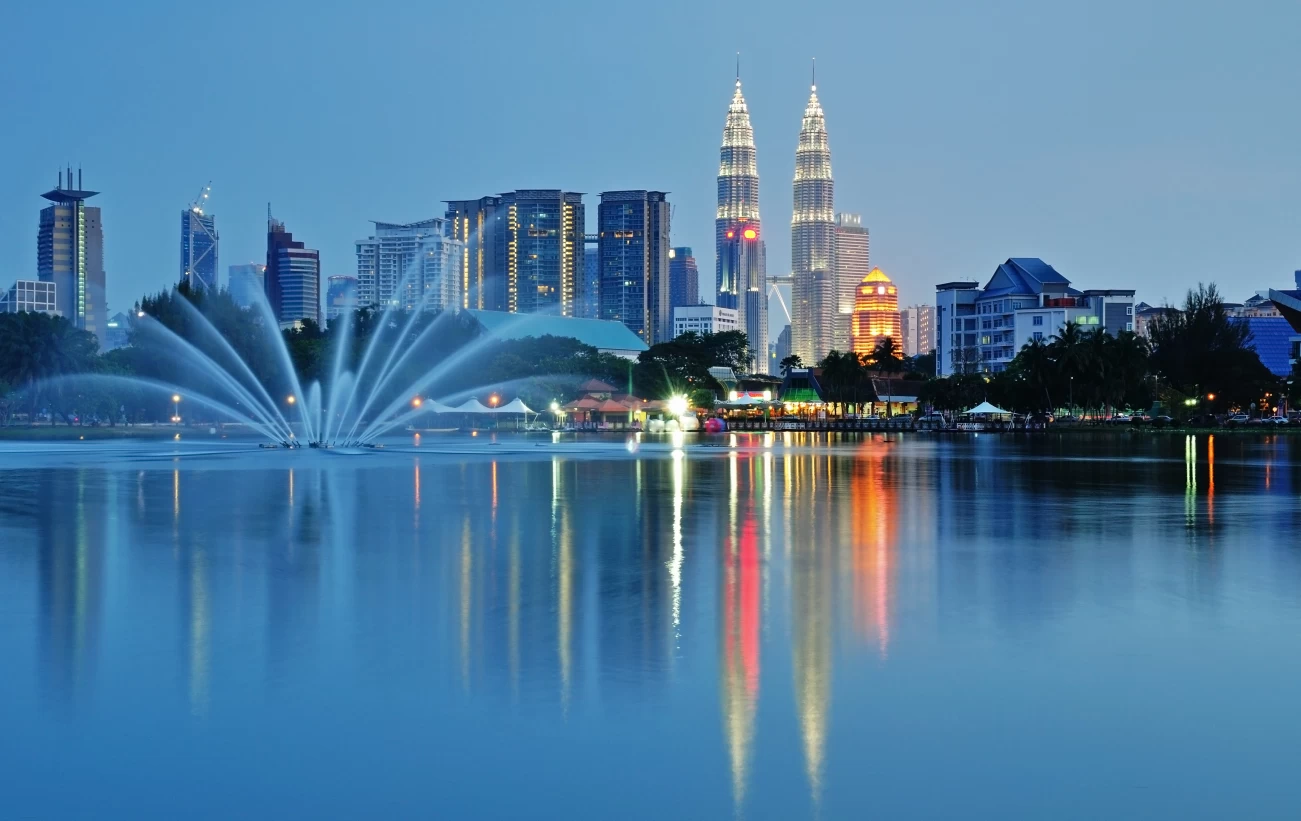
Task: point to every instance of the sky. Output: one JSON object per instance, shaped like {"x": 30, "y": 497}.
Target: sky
{"x": 1146, "y": 145}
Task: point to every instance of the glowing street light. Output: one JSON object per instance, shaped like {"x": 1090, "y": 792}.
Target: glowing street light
{"x": 176, "y": 408}
{"x": 493, "y": 400}
{"x": 291, "y": 399}
{"x": 678, "y": 405}
{"x": 555, "y": 406}
{"x": 417, "y": 402}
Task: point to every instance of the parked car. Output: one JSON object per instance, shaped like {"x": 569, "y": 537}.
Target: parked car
{"x": 1162, "y": 422}
{"x": 935, "y": 420}
{"x": 1276, "y": 420}
{"x": 1238, "y": 419}
{"x": 1120, "y": 419}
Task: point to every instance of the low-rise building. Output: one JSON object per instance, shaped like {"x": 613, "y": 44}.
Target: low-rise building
{"x": 31, "y": 296}
{"x": 704, "y": 319}
{"x": 982, "y": 329}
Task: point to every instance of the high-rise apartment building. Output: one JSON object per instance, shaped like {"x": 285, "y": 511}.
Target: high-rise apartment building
{"x": 410, "y": 265}
{"x": 199, "y": 248}
{"x": 814, "y": 285}
{"x": 684, "y": 278}
{"x": 70, "y": 253}
{"x": 781, "y": 349}
{"x": 293, "y": 277}
{"x": 852, "y": 264}
{"x": 876, "y": 313}
{"x": 246, "y": 283}
{"x": 740, "y": 267}
{"x": 917, "y": 323}
{"x": 633, "y": 232}
{"x": 523, "y": 250}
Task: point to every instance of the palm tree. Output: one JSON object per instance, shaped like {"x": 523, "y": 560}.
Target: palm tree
{"x": 1035, "y": 361}
{"x": 886, "y": 360}
{"x": 1068, "y": 351}
{"x": 791, "y": 362}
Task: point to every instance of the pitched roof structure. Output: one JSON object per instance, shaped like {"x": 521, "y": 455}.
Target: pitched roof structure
{"x": 604, "y": 335}
{"x": 1024, "y": 275}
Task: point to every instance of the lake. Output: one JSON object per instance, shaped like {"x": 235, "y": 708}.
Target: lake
{"x": 747, "y": 626}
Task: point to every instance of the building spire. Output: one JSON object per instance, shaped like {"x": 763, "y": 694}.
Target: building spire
{"x": 815, "y": 73}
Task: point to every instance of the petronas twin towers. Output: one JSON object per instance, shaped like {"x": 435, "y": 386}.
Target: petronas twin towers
{"x": 741, "y": 270}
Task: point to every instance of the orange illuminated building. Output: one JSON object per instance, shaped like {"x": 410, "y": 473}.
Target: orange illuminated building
{"x": 876, "y": 313}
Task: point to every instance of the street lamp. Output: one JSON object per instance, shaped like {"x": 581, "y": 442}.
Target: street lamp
{"x": 176, "y": 408}
{"x": 493, "y": 400}
{"x": 417, "y": 402}
{"x": 291, "y": 399}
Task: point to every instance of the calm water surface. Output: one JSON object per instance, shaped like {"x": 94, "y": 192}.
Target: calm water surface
{"x": 887, "y": 627}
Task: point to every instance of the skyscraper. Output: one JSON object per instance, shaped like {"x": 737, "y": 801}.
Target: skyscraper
{"x": 684, "y": 279}
{"x": 917, "y": 324}
{"x": 70, "y": 253}
{"x": 410, "y": 265}
{"x": 524, "y": 250}
{"x": 293, "y": 276}
{"x": 813, "y": 240}
{"x": 591, "y": 298}
{"x": 740, "y": 260}
{"x": 852, "y": 264}
{"x": 246, "y": 282}
{"x": 876, "y": 313}
{"x": 199, "y": 247}
{"x": 633, "y": 242}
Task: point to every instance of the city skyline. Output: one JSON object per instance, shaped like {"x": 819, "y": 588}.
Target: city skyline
{"x": 922, "y": 153}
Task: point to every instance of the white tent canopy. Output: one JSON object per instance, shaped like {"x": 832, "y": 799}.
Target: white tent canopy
{"x": 984, "y": 408}
{"x": 434, "y": 406}
{"x": 516, "y": 405}
{"x": 471, "y": 406}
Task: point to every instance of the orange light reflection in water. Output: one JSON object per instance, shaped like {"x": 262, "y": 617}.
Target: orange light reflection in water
{"x": 875, "y": 535}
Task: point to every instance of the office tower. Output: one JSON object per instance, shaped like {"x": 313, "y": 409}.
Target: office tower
{"x": 340, "y": 297}
{"x": 852, "y": 264}
{"x": 410, "y": 265}
{"x": 740, "y": 267}
{"x": 591, "y": 298}
{"x": 523, "y": 249}
{"x": 917, "y": 326}
{"x": 684, "y": 278}
{"x": 633, "y": 241}
{"x": 876, "y": 313}
{"x": 813, "y": 239}
{"x": 246, "y": 283}
{"x": 293, "y": 277}
{"x": 199, "y": 247}
{"x": 70, "y": 253}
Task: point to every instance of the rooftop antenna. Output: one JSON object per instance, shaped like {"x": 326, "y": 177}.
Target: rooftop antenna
{"x": 79, "y": 188}
{"x": 815, "y": 73}
{"x": 60, "y": 188}
{"x": 738, "y": 68}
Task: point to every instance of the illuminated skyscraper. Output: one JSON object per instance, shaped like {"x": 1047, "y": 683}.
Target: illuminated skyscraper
{"x": 813, "y": 240}
{"x": 876, "y": 313}
{"x": 70, "y": 253}
{"x": 523, "y": 251}
{"x": 740, "y": 264}
{"x": 852, "y": 264}
{"x": 684, "y": 279}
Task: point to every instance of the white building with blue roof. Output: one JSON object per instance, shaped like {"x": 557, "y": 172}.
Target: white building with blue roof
{"x": 980, "y": 330}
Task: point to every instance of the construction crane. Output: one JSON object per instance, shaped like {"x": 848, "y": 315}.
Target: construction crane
{"x": 200, "y": 231}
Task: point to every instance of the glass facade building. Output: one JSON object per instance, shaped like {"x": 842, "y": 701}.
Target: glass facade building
{"x": 633, "y": 243}
{"x": 293, "y": 277}
{"x": 740, "y": 266}
{"x": 523, "y": 250}
{"x": 199, "y": 249}
{"x": 684, "y": 278}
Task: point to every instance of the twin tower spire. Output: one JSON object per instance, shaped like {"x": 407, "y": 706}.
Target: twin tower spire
{"x": 740, "y": 268}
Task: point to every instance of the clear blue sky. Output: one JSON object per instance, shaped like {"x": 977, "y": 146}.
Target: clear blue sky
{"x": 1130, "y": 144}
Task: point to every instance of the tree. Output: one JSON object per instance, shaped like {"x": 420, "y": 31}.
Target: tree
{"x": 36, "y": 348}
{"x": 923, "y": 364}
{"x": 682, "y": 365}
{"x": 1201, "y": 351}
{"x": 790, "y": 363}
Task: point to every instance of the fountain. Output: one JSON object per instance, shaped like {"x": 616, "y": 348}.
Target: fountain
{"x": 386, "y": 390}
